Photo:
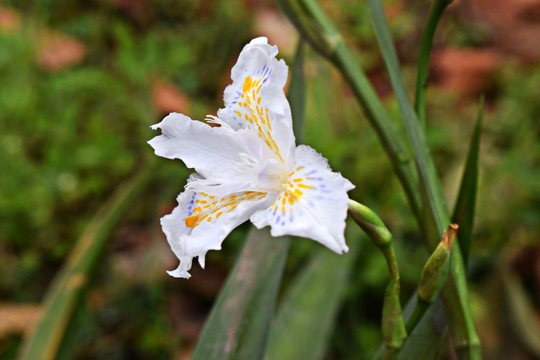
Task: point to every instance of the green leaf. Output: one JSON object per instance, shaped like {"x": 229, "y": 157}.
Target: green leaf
{"x": 427, "y": 338}
{"x": 435, "y": 14}
{"x": 308, "y": 310}
{"x": 62, "y": 295}
{"x": 464, "y": 211}
{"x": 297, "y": 92}
{"x": 238, "y": 325}
{"x": 521, "y": 311}
{"x": 436, "y": 216}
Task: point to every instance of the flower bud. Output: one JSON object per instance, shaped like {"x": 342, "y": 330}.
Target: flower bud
{"x": 370, "y": 222}
{"x": 436, "y": 270}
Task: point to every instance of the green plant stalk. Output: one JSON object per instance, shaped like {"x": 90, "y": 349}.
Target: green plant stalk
{"x": 393, "y": 326}
{"x": 315, "y": 27}
{"x": 418, "y": 312}
{"x": 435, "y": 14}
{"x": 67, "y": 286}
{"x": 318, "y": 30}
{"x": 436, "y": 214}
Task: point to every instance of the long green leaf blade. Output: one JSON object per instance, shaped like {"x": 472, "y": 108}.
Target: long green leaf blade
{"x": 426, "y": 339}
{"x": 297, "y": 92}
{"x": 436, "y": 215}
{"x": 239, "y": 323}
{"x": 297, "y": 333}
{"x": 464, "y": 211}
{"x": 62, "y": 295}
{"x": 435, "y": 14}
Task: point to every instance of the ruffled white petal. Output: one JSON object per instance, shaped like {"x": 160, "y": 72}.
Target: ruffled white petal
{"x": 313, "y": 204}
{"x": 201, "y": 221}
{"x": 212, "y": 151}
{"x": 256, "y": 100}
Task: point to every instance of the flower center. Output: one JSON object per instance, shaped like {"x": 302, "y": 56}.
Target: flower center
{"x": 294, "y": 184}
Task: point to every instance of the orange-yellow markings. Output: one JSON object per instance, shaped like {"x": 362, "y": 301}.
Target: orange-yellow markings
{"x": 225, "y": 204}
{"x": 259, "y": 115}
{"x": 292, "y": 187}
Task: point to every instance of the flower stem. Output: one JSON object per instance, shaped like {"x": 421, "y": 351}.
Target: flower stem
{"x": 393, "y": 326}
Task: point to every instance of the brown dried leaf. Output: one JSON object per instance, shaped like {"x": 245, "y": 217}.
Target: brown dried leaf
{"x": 15, "y": 318}
{"x": 465, "y": 71}
{"x": 514, "y": 24}
{"x": 9, "y": 19}
{"x": 168, "y": 98}
{"x": 272, "y": 24}
{"x": 57, "y": 50}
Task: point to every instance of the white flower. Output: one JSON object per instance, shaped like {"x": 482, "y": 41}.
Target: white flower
{"x": 249, "y": 167}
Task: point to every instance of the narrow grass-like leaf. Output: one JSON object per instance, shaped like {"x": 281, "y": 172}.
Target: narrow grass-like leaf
{"x": 522, "y": 313}
{"x": 62, "y": 296}
{"x": 464, "y": 211}
{"x": 435, "y": 14}
{"x": 307, "y": 312}
{"x": 297, "y": 92}
{"x": 424, "y": 342}
{"x": 239, "y": 323}
{"x": 427, "y": 338}
{"x": 436, "y": 216}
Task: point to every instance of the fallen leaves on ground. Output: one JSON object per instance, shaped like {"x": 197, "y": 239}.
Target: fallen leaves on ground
{"x": 16, "y": 318}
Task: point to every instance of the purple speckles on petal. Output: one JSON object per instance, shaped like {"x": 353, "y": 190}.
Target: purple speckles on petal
{"x": 312, "y": 172}
{"x": 282, "y": 223}
{"x": 291, "y": 219}
{"x": 278, "y": 219}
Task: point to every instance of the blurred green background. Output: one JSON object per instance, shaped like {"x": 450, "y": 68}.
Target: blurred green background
{"x": 81, "y": 82}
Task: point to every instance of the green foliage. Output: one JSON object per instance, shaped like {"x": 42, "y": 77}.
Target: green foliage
{"x": 70, "y": 136}
{"x": 238, "y": 326}
{"x": 296, "y": 333}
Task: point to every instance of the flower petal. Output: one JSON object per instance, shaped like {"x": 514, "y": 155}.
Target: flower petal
{"x": 201, "y": 222}
{"x": 256, "y": 101}
{"x": 212, "y": 151}
{"x": 313, "y": 204}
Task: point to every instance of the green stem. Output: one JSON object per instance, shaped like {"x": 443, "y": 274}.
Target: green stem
{"x": 435, "y": 15}
{"x": 418, "y": 312}
{"x": 455, "y": 294}
{"x": 430, "y": 209}
{"x": 393, "y": 326}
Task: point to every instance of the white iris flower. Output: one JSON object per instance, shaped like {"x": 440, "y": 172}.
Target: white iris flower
{"x": 248, "y": 167}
